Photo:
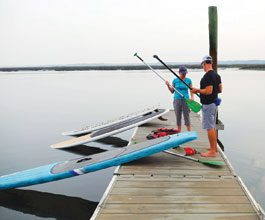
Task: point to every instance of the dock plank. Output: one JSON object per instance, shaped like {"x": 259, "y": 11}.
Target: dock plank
{"x": 173, "y": 172}
{"x": 178, "y": 199}
{"x": 222, "y": 216}
{"x": 175, "y": 184}
{"x": 177, "y": 208}
{"x": 178, "y": 191}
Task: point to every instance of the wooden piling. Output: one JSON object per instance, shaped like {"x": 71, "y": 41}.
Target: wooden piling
{"x": 213, "y": 45}
{"x": 213, "y": 34}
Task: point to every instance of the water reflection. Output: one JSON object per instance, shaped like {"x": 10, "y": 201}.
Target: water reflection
{"x": 114, "y": 141}
{"x": 109, "y": 143}
{"x": 47, "y": 205}
{"x": 83, "y": 150}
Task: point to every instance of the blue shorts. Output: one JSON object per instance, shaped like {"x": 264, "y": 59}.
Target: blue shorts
{"x": 209, "y": 113}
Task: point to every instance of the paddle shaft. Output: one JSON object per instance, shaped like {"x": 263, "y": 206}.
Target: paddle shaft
{"x": 157, "y": 73}
{"x": 206, "y": 162}
{"x": 156, "y": 57}
{"x": 182, "y": 156}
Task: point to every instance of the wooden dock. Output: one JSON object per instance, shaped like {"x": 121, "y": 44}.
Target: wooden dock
{"x": 163, "y": 186}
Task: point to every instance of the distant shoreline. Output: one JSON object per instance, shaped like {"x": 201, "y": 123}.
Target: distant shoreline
{"x": 123, "y": 67}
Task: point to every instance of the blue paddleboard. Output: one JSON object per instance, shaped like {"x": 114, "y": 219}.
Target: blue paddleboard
{"x": 79, "y": 166}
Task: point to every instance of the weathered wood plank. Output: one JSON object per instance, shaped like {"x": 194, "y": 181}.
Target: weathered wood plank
{"x": 178, "y": 191}
{"x": 177, "y": 208}
{"x": 173, "y": 179}
{"x": 176, "y": 184}
{"x": 191, "y": 165}
{"x": 127, "y": 170}
{"x": 177, "y": 199}
{"x": 180, "y": 166}
{"x": 222, "y": 216}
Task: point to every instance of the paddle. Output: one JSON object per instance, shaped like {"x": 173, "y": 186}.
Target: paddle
{"x": 206, "y": 162}
{"x": 156, "y": 57}
{"x": 193, "y": 105}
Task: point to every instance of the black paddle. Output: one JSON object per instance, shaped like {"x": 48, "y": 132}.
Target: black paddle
{"x": 193, "y": 105}
{"x": 156, "y": 57}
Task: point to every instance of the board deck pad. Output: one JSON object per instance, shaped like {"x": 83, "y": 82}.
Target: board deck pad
{"x": 89, "y": 129}
{"x": 111, "y": 129}
{"x": 79, "y": 166}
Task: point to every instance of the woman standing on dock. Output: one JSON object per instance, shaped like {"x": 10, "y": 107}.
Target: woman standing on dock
{"x": 179, "y": 103}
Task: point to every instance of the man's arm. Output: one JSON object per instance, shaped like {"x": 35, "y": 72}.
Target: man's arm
{"x": 207, "y": 91}
{"x": 220, "y": 88}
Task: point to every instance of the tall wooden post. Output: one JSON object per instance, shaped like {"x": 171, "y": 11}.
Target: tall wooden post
{"x": 213, "y": 32}
{"x": 213, "y": 41}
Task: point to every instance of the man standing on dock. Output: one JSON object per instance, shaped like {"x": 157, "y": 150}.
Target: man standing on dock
{"x": 210, "y": 86}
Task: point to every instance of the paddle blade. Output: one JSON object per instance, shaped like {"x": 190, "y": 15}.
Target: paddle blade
{"x": 211, "y": 162}
{"x": 193, "y": 105}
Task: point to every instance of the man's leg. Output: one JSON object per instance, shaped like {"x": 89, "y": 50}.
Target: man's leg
{"x": 215, "y": 140}
{"x": 209, "y": 124}
{"x": 213, "y": 143}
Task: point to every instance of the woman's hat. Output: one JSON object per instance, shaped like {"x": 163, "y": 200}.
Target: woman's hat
{"x": 183, "y": 70}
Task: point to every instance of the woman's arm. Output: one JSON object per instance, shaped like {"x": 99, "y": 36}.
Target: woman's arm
{"x": 170, "y": 88}
{"x": 191, "y": 94}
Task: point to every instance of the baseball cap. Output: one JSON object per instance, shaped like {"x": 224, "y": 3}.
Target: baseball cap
{"x": 207, "y": 59}
{"x": 183, "y": 70}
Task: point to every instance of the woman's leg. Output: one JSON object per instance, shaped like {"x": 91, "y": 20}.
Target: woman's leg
{"x": 178, "y": 113}
{"x": 186, "y": 114}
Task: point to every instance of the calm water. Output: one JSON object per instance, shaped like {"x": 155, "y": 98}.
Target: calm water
{"x": 37, "y": 106}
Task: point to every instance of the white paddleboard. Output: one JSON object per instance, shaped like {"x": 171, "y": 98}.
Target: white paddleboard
{"x": 111, "y": 130}
{"x": 89, "y": 129}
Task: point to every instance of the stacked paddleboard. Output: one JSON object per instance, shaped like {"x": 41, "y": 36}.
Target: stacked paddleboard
{"x": 109, "y": 124}
{"x": 96, "y": 133}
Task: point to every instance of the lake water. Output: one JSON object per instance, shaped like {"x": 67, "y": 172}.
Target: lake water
{"x": 37, "y": 106}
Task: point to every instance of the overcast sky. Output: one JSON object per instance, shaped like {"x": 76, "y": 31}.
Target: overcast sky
{"x": 40, "y": 32}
